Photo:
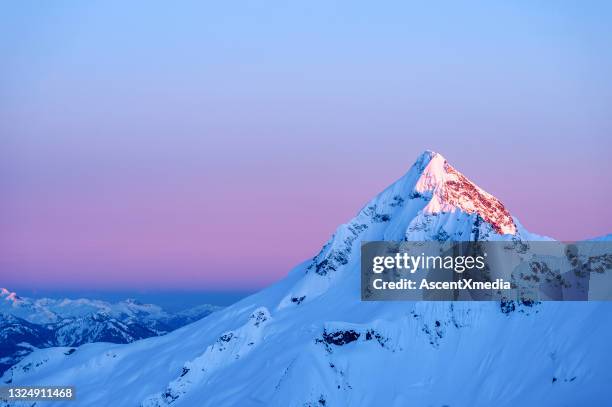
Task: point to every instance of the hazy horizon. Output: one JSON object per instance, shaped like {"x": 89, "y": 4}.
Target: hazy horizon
{"x": 169, "y": 300}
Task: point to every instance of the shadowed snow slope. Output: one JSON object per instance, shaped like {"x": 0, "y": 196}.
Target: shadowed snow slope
{"x": 308, "y": 340}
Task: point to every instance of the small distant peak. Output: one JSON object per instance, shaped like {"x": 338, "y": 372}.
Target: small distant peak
{"x": 8, "y": 295}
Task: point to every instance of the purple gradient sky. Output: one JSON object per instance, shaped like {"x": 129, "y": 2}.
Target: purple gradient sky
{"x": 216, "y": 146}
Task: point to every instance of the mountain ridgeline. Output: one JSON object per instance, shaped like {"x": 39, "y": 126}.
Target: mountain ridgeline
{"x": 27, "y": 324}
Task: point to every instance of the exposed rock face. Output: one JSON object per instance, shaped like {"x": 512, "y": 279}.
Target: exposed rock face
{"x": 448, "y": 190}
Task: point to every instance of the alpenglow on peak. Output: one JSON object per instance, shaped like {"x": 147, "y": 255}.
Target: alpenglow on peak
{"x": 448, "y": 189}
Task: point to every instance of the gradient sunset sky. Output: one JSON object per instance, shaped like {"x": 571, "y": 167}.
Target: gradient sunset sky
{"x": 214, "y": 145}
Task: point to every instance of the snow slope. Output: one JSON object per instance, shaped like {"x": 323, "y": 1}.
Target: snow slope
{"x": 308, "y": 340}
{"x": 605, "y": 238}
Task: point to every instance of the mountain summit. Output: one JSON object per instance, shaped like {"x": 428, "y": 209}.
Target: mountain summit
{"x": 448, "y": 189}
{"x": 308, "y": 340}
{"x": 432, "y": 201}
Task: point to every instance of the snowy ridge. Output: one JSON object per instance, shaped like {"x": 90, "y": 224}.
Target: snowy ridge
{"x": 605, "y": 238}
{"x": 229, "y": 347}
{"x": 317, "y": 344}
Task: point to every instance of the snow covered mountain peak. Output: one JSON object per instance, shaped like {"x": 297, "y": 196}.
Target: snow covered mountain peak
{"x": 431, "y": 202}
{"x": 448, "y": 189}
{"x": 9, "y": 295}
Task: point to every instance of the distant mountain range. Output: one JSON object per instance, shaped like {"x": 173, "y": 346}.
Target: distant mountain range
{"x": 27, "y": 324}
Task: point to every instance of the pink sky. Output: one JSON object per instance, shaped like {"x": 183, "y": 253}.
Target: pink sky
{"x": 220, "y": 151}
